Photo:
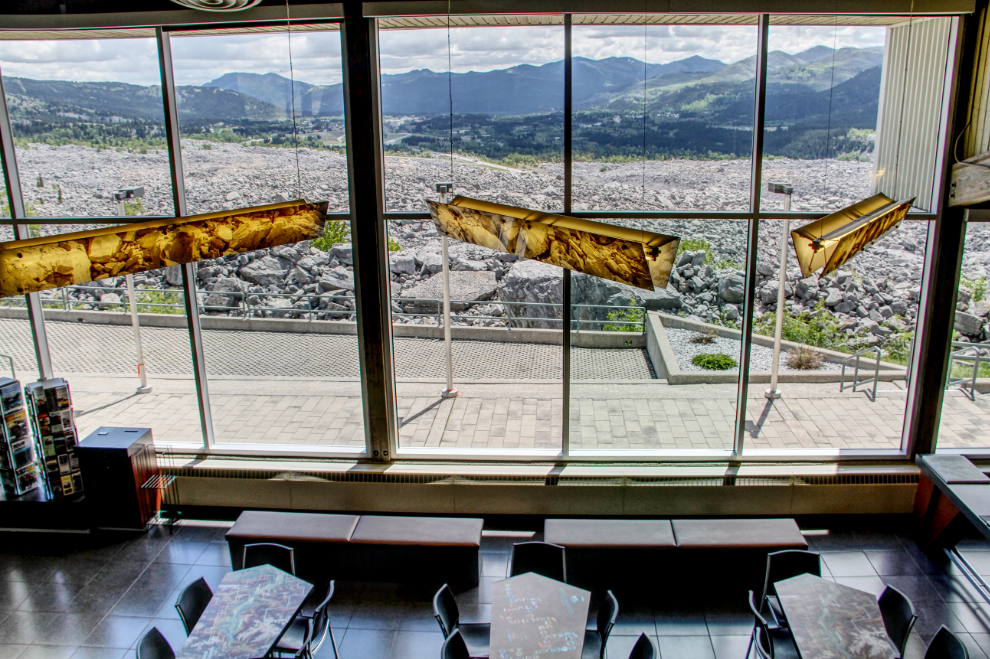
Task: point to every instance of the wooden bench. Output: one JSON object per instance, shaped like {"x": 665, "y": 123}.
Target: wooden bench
{"x": 367, "y": 548}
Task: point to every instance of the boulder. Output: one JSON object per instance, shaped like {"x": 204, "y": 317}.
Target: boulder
{"x": 732, "y": 289}
{"x": 834, "y": 297}
{"x": 338, "y": 278}
{"x": 466, "y": 288}
{"x": 538, "y": 284}
{"x": 287, "y": 252}
{"x": 344, "y": 253}
{"x": 402, "y": 263}
{"x": 586, "y": 289}
{"x": 220, "y": 294}
{"x": 278, "y": 307}
{"x": 173, "y": 275}
{"x": 968, "y": 325}
{"x": 432, "y": 262}
{"x": 267, "y": 271}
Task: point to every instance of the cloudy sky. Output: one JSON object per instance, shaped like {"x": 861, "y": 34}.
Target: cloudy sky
{"x": 316, "y": 56}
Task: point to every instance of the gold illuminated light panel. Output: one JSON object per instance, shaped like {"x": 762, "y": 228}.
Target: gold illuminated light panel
{"x": 830, "y": 242}
{"x": 38, "y": 264}
{"x": 630, "y": 256}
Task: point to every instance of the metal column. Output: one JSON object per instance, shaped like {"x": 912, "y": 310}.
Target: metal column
{"x": 18, "y": 212}
{"x": 943, "y": 258}
{"x": 749, "y": 304}
{"x": 189, "y": 269}
{"x": 565, "y": 310}
{"x": 365, "y": 168}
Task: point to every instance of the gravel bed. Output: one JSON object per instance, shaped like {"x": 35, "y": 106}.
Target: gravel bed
{"x": 761, "y": 358}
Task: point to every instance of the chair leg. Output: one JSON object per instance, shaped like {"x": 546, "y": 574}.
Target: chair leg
{"x": 749, "y": 648}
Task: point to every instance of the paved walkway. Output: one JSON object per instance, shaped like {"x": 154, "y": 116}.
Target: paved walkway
{"x": 493, "y": 412}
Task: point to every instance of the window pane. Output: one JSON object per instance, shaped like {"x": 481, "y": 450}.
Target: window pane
{"x": 87, "y": 120}
{"x": 506, "y": 92}
{"x": 506, "y": 347}
{"x": 965, "y": 412}
{"x": 261, "y": 124}
{"x": 282, "y": 365}
{"x": 663, "y": 116}
{"x": 868, "y": 307}
{"x": 659, "y": 370}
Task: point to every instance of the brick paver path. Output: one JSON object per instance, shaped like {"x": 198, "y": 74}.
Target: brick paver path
{"x": 493, "y": 412}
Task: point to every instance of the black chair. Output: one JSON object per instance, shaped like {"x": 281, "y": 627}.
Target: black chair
{"x": 154, "y": 646}
{"x": 595, "y": 640}
{"x": 324, "y": 622}
{"x": 454, "y": 647}
{"x": 476, "y": 636}
{"x": 645, "y": 648}
{"x": 267, "y": 553}
{"x": 946, "y": 645}
{"x": 543, "y": 558}
{"x": 192, "y": 602}
{"x": 302, "y": 630}
{"x": 784, "y": 565}
{"x": 898, "y": 617}
{"x": 771, "y": 643}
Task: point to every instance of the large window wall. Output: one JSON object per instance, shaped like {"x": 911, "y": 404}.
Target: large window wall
{"x": 661, "y": 137}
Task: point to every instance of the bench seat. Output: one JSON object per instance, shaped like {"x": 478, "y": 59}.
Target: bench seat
{"x": 314, "y": 536}
{"x": 756, "y": 534}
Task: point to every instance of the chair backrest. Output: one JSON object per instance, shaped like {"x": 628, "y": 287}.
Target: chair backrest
{"x": 645, "y": 648}
{"x": 790, "y": 563}
{"x": 445, "y": 610}
{"x": 946, "y": 645}
{"x": 192, "y": 602}
{"x": 898, "y": 616}
{"x": 267, "y": 553}
{"x": 322, "y": 612}
{"x": 608, "y": 613}
{"x": 154, "y": 646}
{"x": 543, "y": 558}
{"x": 761, "y": 633}
{"x": 454, "y": 647}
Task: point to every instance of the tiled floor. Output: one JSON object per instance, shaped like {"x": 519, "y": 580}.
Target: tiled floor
{"x": 87, "y": 597}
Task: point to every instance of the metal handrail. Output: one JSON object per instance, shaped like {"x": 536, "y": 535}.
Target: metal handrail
{"x": 856, "y": 381}
{"x": 246, "y": 309}
{"x": 968, "y": 353}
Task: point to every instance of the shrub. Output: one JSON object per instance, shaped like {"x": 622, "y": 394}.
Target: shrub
{"x": 631, "y": 320}
{"x": 393, "y": 245}
{"x": 978, "y": 287}
{"x": 705, "y": 338}
{"x": 135, "y": 207}
{"x": 336, "y": 231}
{"x": 819, "y": 329}
{"x": 603, "y": 169}
{"x": 718, "y": 361}
{"x": 805, "y": 359}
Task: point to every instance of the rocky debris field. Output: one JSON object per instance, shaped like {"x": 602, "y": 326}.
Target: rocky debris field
{"x": 873, "y": 300}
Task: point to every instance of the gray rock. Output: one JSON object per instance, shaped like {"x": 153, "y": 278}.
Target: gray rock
{"x": 287, "y": 252}
{"x": 731, "y": 312}
{"x": 107, "y": 301}
{"x": 173, "y": 275}
{"x": 968, "y": 324}
{"x": 732, "y": 289}
{"x": 845, "y": 307}
{"x": 593, "y": 290}
{"x": 536, "y": 283}
{"x": 685, "y": 258}
{"x": 343, "y": 253}
{"x": 338, "y": 278}
{"x": 268, "y": 271}
{"x": 835, "y": 297}
{"x": 468, "y": 266}
{"x": 402, "y": 263}
{"x": 307, "y": 263}
{"x": 899, "y": 307}
{"x": 432, "y": 262}
{"x": 465, "y": 288}
{"x": 220, "y": 294}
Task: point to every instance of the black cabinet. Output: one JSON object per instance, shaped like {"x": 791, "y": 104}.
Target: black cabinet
{"x": 116, "y": 463}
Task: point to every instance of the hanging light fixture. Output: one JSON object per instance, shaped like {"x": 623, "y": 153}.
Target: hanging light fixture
{"x": 218, "y": 5}
{"x": 833, "y": 240}
{"x": 630, "y": 256}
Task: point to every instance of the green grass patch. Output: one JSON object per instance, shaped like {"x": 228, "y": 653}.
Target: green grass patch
{"x": 718, "y": 361}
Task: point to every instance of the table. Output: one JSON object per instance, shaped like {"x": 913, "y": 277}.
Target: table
{"x": 832, "y": 621}
{"x": 533, "y": 616}
{"x": 950, "y": 490}
{"x": 248, "y": 614}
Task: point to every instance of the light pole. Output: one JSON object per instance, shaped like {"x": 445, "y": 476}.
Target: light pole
{"x": 120, "y": 196}
{"x": 443, "y": 189}
{"x": 787, "y": 191}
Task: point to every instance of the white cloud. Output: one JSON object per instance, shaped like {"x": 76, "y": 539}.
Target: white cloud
{"x": 133, "y": 61}
{"x": 471, "y": 48}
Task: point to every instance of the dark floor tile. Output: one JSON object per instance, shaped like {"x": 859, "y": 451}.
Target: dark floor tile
{"x": 215, "y": 554}
{"x": 494, "y": 564}
{"x": 834, "y": 540}
{"x": 973, "y": 646}
{"x": 634, "y": 621}
{"x": 71, "y": 629}
{"x": 163, "y": 576}
{"x": 141, "y": 550}
{"x": 686, "y": 647}
{"x": 23, "y": 627}
{"x": 380, "y": 616}
{"x": 186, "y": 553}
{"x": 983, "y": 641}
{"x": 50, "y": 597}
{"x": 100, "y": 653}
{"x": 196, "y": 533}
{"x": 480, "y": 594}
{"x": 683, "y": 622}
{"x": 916, "y": 647}
{"x": 917, "y": 589}
{"x": 418, "y": 618}
{"x": 880, "y": 540}
{"x": 975, "y": 616}
{"x": 96, "y": 598}
{"x": 849, "y": 564}
{"x": 415, "y": 645}
{"x": 621, "y": 646}
{"x": 117, "y": 632}
{"x": 118, "y": 573}
{"x": 730, "y": 647}
{"x": 931, "y": 616}
{"x": 893, "y": 563}
{"x": 366, "y": 644}
{"x": 28, "y": 569}
{"x": 140, "y": 602}
{"x": 47, "y": 652}
{"x": 955, "y": 588}
{"x": 872, "y": 585}
{"x": 475, "y": 613}
{"x": 728, "y": 621}
{"x": 928, "y": 563}
{"x": 11, "y": 651}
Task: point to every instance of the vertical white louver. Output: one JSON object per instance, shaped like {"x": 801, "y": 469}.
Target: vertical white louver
{"x": 913, "y": 105}
{"x": 977, "y": 139}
